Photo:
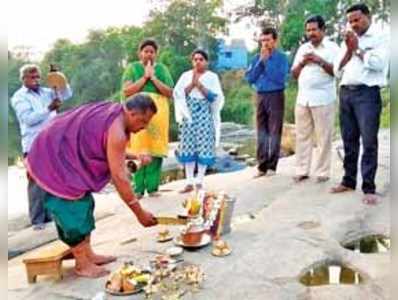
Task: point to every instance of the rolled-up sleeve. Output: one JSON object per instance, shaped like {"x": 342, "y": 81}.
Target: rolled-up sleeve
{"x": 25, "y": 112}
{"x": 378, "y": 58}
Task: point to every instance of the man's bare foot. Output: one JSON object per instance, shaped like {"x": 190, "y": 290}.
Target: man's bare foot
{"x": 299, "y": 178}
{"x": 259, "y": 174}
{"x": 321, "y": 179}
{"x": 90, "y": 270}
{"x": 340, "y": 189}
{"x": 96, "y": 258}
{"x": 271, "y": 173}
{"x": 102, "y": 259}
{"x": 370, "y": 199}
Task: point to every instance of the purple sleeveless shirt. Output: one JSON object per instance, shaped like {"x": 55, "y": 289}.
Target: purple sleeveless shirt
{"x": 68, "y": 157}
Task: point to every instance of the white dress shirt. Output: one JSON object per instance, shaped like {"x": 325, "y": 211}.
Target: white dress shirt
{"x": 32, "y": 111}
{"x": 315, "y": 86}
{"x": 373, "y": 70}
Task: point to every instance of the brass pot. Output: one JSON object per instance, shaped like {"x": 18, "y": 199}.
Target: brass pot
{"x": 192, "y": 236}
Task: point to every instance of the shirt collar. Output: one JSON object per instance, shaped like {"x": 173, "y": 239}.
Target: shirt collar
{"x": 322, "y": 44}
{"x": 370, "y": 32}
{"x": 26, "y": 90}
{"x": 274, "y": 52}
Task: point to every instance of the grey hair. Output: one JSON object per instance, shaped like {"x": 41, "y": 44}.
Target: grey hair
{"x": 27, "y": 69}
{"x": 142, "y": 103}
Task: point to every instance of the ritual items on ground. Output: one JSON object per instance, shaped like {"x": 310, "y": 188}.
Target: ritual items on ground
{"x": 164, "y": 235}
{"x": 205, "y": 216}
{"x": 166, "y": 278}
{"x": 174, "y": 251}
{"x": 126, "y": 280}
{"x": 170, "y": 284}
{"x": 221, "y": 248}
{"x": 204, "y": 241}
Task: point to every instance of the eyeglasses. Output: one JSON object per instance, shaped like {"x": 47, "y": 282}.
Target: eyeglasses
{"x": 34, "y": 77}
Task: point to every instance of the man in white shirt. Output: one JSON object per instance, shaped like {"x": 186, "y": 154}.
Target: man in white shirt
{"x": 34, "y": 107}
{"x": 363, "y": 66}
{"x": 316, "y": 98}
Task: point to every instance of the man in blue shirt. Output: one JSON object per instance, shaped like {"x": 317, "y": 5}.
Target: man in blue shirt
{"x": 268, "y": 73}
{"x": 35, "y": 106}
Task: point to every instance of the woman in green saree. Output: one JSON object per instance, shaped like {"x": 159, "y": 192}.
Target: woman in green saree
{"x": 154, "y": 79}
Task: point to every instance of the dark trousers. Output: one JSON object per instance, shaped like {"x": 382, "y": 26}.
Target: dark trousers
{"x": 360, "y": 109}
{"x": 36, "y": 196}
{"x": 270, "y": 110}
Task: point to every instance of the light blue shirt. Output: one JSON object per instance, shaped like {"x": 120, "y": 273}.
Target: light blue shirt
{"x": 32, "y": 111}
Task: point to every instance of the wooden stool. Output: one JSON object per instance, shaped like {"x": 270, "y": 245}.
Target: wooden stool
{"x": 47, "y": 261}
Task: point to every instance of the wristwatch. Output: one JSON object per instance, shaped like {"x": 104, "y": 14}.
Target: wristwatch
{"x": 359, "y": 52}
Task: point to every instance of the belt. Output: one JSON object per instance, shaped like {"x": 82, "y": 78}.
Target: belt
{"x": 358, "y": 87}
{"x": 270, "y": 92}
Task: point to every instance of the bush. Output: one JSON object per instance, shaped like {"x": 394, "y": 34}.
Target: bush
{"x": 385, "y": 113}
{"x": 290, "y": 101}
{"x": 239, "y": 104}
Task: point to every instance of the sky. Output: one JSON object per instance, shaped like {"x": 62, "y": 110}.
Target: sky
{"x": 38, "y": 24}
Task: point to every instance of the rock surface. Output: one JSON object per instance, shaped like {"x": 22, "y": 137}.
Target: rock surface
{"x": 280, "y": 230}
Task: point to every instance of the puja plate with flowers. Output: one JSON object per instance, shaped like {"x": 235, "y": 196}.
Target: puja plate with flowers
{"x": 127, "y": 280}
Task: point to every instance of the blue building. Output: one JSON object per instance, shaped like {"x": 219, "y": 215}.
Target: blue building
{"x": 233, "y": 56}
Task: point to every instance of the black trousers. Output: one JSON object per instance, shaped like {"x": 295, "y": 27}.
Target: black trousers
{"x": 36, "y": 196}
{"x": 360, "y": 108}
{"x": 270, "y": 110}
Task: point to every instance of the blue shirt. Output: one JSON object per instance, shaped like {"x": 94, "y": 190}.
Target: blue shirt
{"x": 32, "y": 111}
{"x": 268, "y": 76}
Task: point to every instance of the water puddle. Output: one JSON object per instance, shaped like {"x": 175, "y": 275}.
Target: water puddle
{"x": 370, "y": 244}
{"x": 332, "y": 273}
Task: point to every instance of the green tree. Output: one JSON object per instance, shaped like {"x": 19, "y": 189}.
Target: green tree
{"x": 15, "y": 62}
{"x": 180, "y": 26}
{"x": 289, "y": 16}
{"x": 94, "y": 68}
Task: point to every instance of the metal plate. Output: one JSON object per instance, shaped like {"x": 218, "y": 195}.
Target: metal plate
{"x": 224, "y": 253}
{"x": 164, "y": 239}
{"x": 206, "y": 239}
{"x": 136, "y": 291}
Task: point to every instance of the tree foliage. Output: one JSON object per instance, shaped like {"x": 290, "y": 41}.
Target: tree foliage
{"x": 94, "y": 68}
{"x": 187, "y": 24}
{"x": 289, "y": 16}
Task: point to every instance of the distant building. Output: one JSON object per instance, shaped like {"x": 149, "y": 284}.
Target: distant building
{"x": 233, "y": 56}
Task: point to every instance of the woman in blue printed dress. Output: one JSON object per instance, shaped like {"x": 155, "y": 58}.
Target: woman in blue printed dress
{"x": 198, "y": 100}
